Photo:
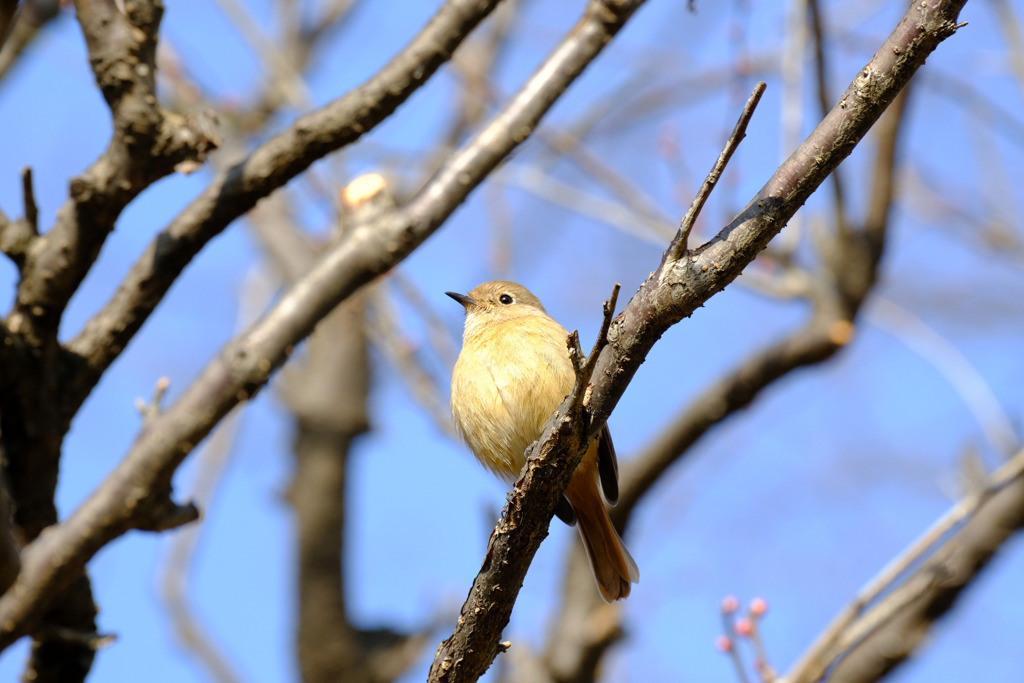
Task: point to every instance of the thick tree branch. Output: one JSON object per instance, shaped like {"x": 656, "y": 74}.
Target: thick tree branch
{"x": 125, "y": 499}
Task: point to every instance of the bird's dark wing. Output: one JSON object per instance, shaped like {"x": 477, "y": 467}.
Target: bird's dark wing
{"x": 607, "y": 466}
{"x": 565, "y": 512}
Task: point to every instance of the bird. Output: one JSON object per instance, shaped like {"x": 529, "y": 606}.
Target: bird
{"x": 511, "y": 374}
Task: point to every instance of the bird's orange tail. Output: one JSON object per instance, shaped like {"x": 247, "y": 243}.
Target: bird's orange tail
{"x": 613, "y": 567}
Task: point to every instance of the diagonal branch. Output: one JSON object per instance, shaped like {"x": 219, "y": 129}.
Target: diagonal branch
{"x": 27, "y": 23}
{"x": 678, "y": 287}
{"x": 570, "y": 657}
{"x": 670, "y": 294}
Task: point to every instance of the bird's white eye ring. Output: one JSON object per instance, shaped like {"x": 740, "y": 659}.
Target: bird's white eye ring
{"x": 505, "y": 299}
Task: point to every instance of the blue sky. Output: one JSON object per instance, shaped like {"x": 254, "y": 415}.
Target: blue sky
{"x": 799, "y": 499}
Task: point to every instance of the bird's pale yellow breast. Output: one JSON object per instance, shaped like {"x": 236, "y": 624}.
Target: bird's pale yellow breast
{"x": 510, "y": 377}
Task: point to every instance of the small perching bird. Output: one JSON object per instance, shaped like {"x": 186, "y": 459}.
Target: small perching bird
{"x": 513, "y": 371}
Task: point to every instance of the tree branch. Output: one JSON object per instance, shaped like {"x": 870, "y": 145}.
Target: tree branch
{"x": 572, "y": 654}
{"x": 16, "y": 237}
{"x": 671, "y": 293}
{"x": 738, "y": 133}
{"x": 679, "y": 287}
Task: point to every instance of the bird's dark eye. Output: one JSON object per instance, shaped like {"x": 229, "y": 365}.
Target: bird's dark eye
{"x": 505, "y": 299}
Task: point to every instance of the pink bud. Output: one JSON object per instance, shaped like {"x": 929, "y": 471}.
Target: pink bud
{"x": 730, "y": 604}
{"x": 724, "y": 643}
{"x": 744, "y": 627}
{"x": 758, "y": 606}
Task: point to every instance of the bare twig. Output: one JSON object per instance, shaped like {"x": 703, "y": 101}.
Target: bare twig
{"x": 150, "y": 410}
{"x": 288, "y": 250}
{"x": 283, "y": 76}
{"x": 611, "y": 212}
{"x": 608, "y": 308}
{"x": 16, "y": 237}
{"x": 386, "y": 334}
{"x": 475, "y": 65}
{"x": 791, "y": 105}
{"x": 738, "y": 133}
{"x": 632, "y": 194}
{"x": 439, "y": 334}
{"x": 26, "y": 24}
{"x": 331, "y": 13}
{"x": 29, "y": 199}
{"x": 1009, "y": 21}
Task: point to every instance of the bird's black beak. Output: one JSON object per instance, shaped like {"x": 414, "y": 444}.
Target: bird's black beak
{"x": 462, "y": 298}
